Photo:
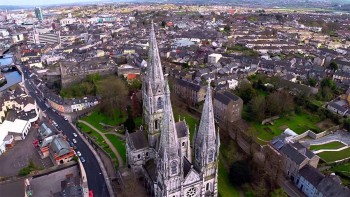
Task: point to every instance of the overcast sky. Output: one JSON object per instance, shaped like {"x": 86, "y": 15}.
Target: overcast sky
{"x": 41, "y": 2}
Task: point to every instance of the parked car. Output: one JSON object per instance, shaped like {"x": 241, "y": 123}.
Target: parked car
{"x": 75, "y": 141}
{"x": 82, "y": 159}
{"x": 78, "y": 153}
{"x": 65, "y": 118}
{"x": 74, "y": 147}
{"x": 75, "y": 135}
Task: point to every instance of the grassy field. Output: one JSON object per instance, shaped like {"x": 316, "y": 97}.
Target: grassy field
{"x": 331, "y": 156}
{"x": 95, "y": 118}
{"x": 118, "y": 144}
{"x": 226, "y": 189}
{"x": 331, "y": 145}
{"x": 99, "y": 139}
{"x": 299, "y": 123}
{"x": 344, "y": 172}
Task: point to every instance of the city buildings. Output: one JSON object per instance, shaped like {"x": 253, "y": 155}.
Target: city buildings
{"x": 39, "y": 13}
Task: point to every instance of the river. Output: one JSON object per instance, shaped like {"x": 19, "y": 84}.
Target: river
{"x": 12, "y": 76}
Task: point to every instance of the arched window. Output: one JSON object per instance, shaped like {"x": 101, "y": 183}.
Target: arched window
{"x": 156, "y": 124}
{"x": 211, "y": 155}
{"x": 197, "y": 154}
{"x": 159, "y": 103}
{"x": 173, "y": 167}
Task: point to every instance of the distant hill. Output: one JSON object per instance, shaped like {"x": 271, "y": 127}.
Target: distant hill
{"x": 13, "y": 7}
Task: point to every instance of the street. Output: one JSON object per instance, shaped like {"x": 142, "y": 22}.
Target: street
{"x": 96, "y": 181}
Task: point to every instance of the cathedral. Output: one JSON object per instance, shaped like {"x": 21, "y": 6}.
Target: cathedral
{"x": 161, "y": 152}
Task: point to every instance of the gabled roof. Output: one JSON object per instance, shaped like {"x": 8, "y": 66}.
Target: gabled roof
{"x": 138, "y": 139}
{"x": 181, "y": 129}
{"x": 311, "y": 174}
{"x": 293, "y": 154}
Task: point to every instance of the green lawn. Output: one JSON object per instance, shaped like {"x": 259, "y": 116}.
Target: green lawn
{"x": 98, "y": 138}
{"x": 331, "y": 145}
{"x": 226, "y": 189}
{"x": 344, "y": 172}
{"x": 118, "y": 144}
{"x": 299, "y": 123}
{"x": 331, "y": 156}
{"x": 95, "y": 118}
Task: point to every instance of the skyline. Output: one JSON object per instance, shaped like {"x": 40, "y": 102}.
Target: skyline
{"x": 56, "y": 2}
{"x": 45, "y": 2}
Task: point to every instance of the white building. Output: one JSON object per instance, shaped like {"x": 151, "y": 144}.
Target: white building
{"x": 214, "y": 58}
{"x": 9, "y": 131}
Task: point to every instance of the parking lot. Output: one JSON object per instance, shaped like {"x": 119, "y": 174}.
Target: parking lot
{"x": 20, "y": 154}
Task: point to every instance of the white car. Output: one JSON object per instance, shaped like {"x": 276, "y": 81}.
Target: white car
{"x": 79, "y": 153}
{"x": 75, "y": 141}
{"x": 75, "y": 135}
{"x": 65, "y": 118}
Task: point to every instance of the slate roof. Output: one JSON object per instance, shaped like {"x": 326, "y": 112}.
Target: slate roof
{"x": 60, "y": 146}
{"x": 181, "y": 129}
{"x": 188, "y": 84}
{"x": 337, "y": 107}
{"x": 139, "y": 139}
{"x": 311, "y": 174}
{"x": 151, "y": 169}
{"x": 187, "y": 166}
{"x": 293, "y": 154}
{"x": 330, "y": 188}
{"x": 225, "y": 97}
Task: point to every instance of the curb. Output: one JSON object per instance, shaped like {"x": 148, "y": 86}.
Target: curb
{"x": 103, "y": 169}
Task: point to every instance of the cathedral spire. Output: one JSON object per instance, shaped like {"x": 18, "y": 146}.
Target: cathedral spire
{"x": 206, "y": 130}
{"x": 205, "y": 141}
{"x": 154, "y": 66}
{"x": 168, "y": 138}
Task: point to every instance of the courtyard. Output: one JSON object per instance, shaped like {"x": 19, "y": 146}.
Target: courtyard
{"x": 18, "y": 157}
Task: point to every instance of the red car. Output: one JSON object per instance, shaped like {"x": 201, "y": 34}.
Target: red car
{"x": 91, "y": 194}
{"x": 36, "y": 143}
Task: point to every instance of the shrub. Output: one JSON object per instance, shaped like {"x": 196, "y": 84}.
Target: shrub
{"x": 239, "y": 173}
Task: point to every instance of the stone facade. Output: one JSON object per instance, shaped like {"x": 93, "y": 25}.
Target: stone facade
{"x": 160, "y": 152}
{"x": 227, "y": 108}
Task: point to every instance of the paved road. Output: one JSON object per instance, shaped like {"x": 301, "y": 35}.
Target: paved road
{"x": 96, "y": 181}
{"x": 115, "y": 151}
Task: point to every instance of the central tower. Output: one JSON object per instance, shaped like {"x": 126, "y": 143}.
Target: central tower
{"x": 153, "y": 92}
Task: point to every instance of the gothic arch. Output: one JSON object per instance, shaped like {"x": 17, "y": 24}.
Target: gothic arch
{"x": 156, "y": 124}
{"x": 173, "y": 168}
{"x": 159, "y": 103}
{"x": 211, "y": 155}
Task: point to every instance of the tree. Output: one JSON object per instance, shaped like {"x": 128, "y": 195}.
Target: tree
{"x": 333, "y": 65}
{"x": 113, "y": 92}
{"x": 239, "y": 173}
{"x": 273, "y": 104}
{"x": 258, "y": 107}
{"x": 312, "y": 82}
{"x": 278, "y": 193}
{"x": 346, "y": 124}
{"x": 227, "y": 28}
{"x": 163, "y": 24}
{"x": 246, "y": 92}
{"x": 327, "y": 82}
{"x": 129, "y": 122}
{"x": 135, "y": 84}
